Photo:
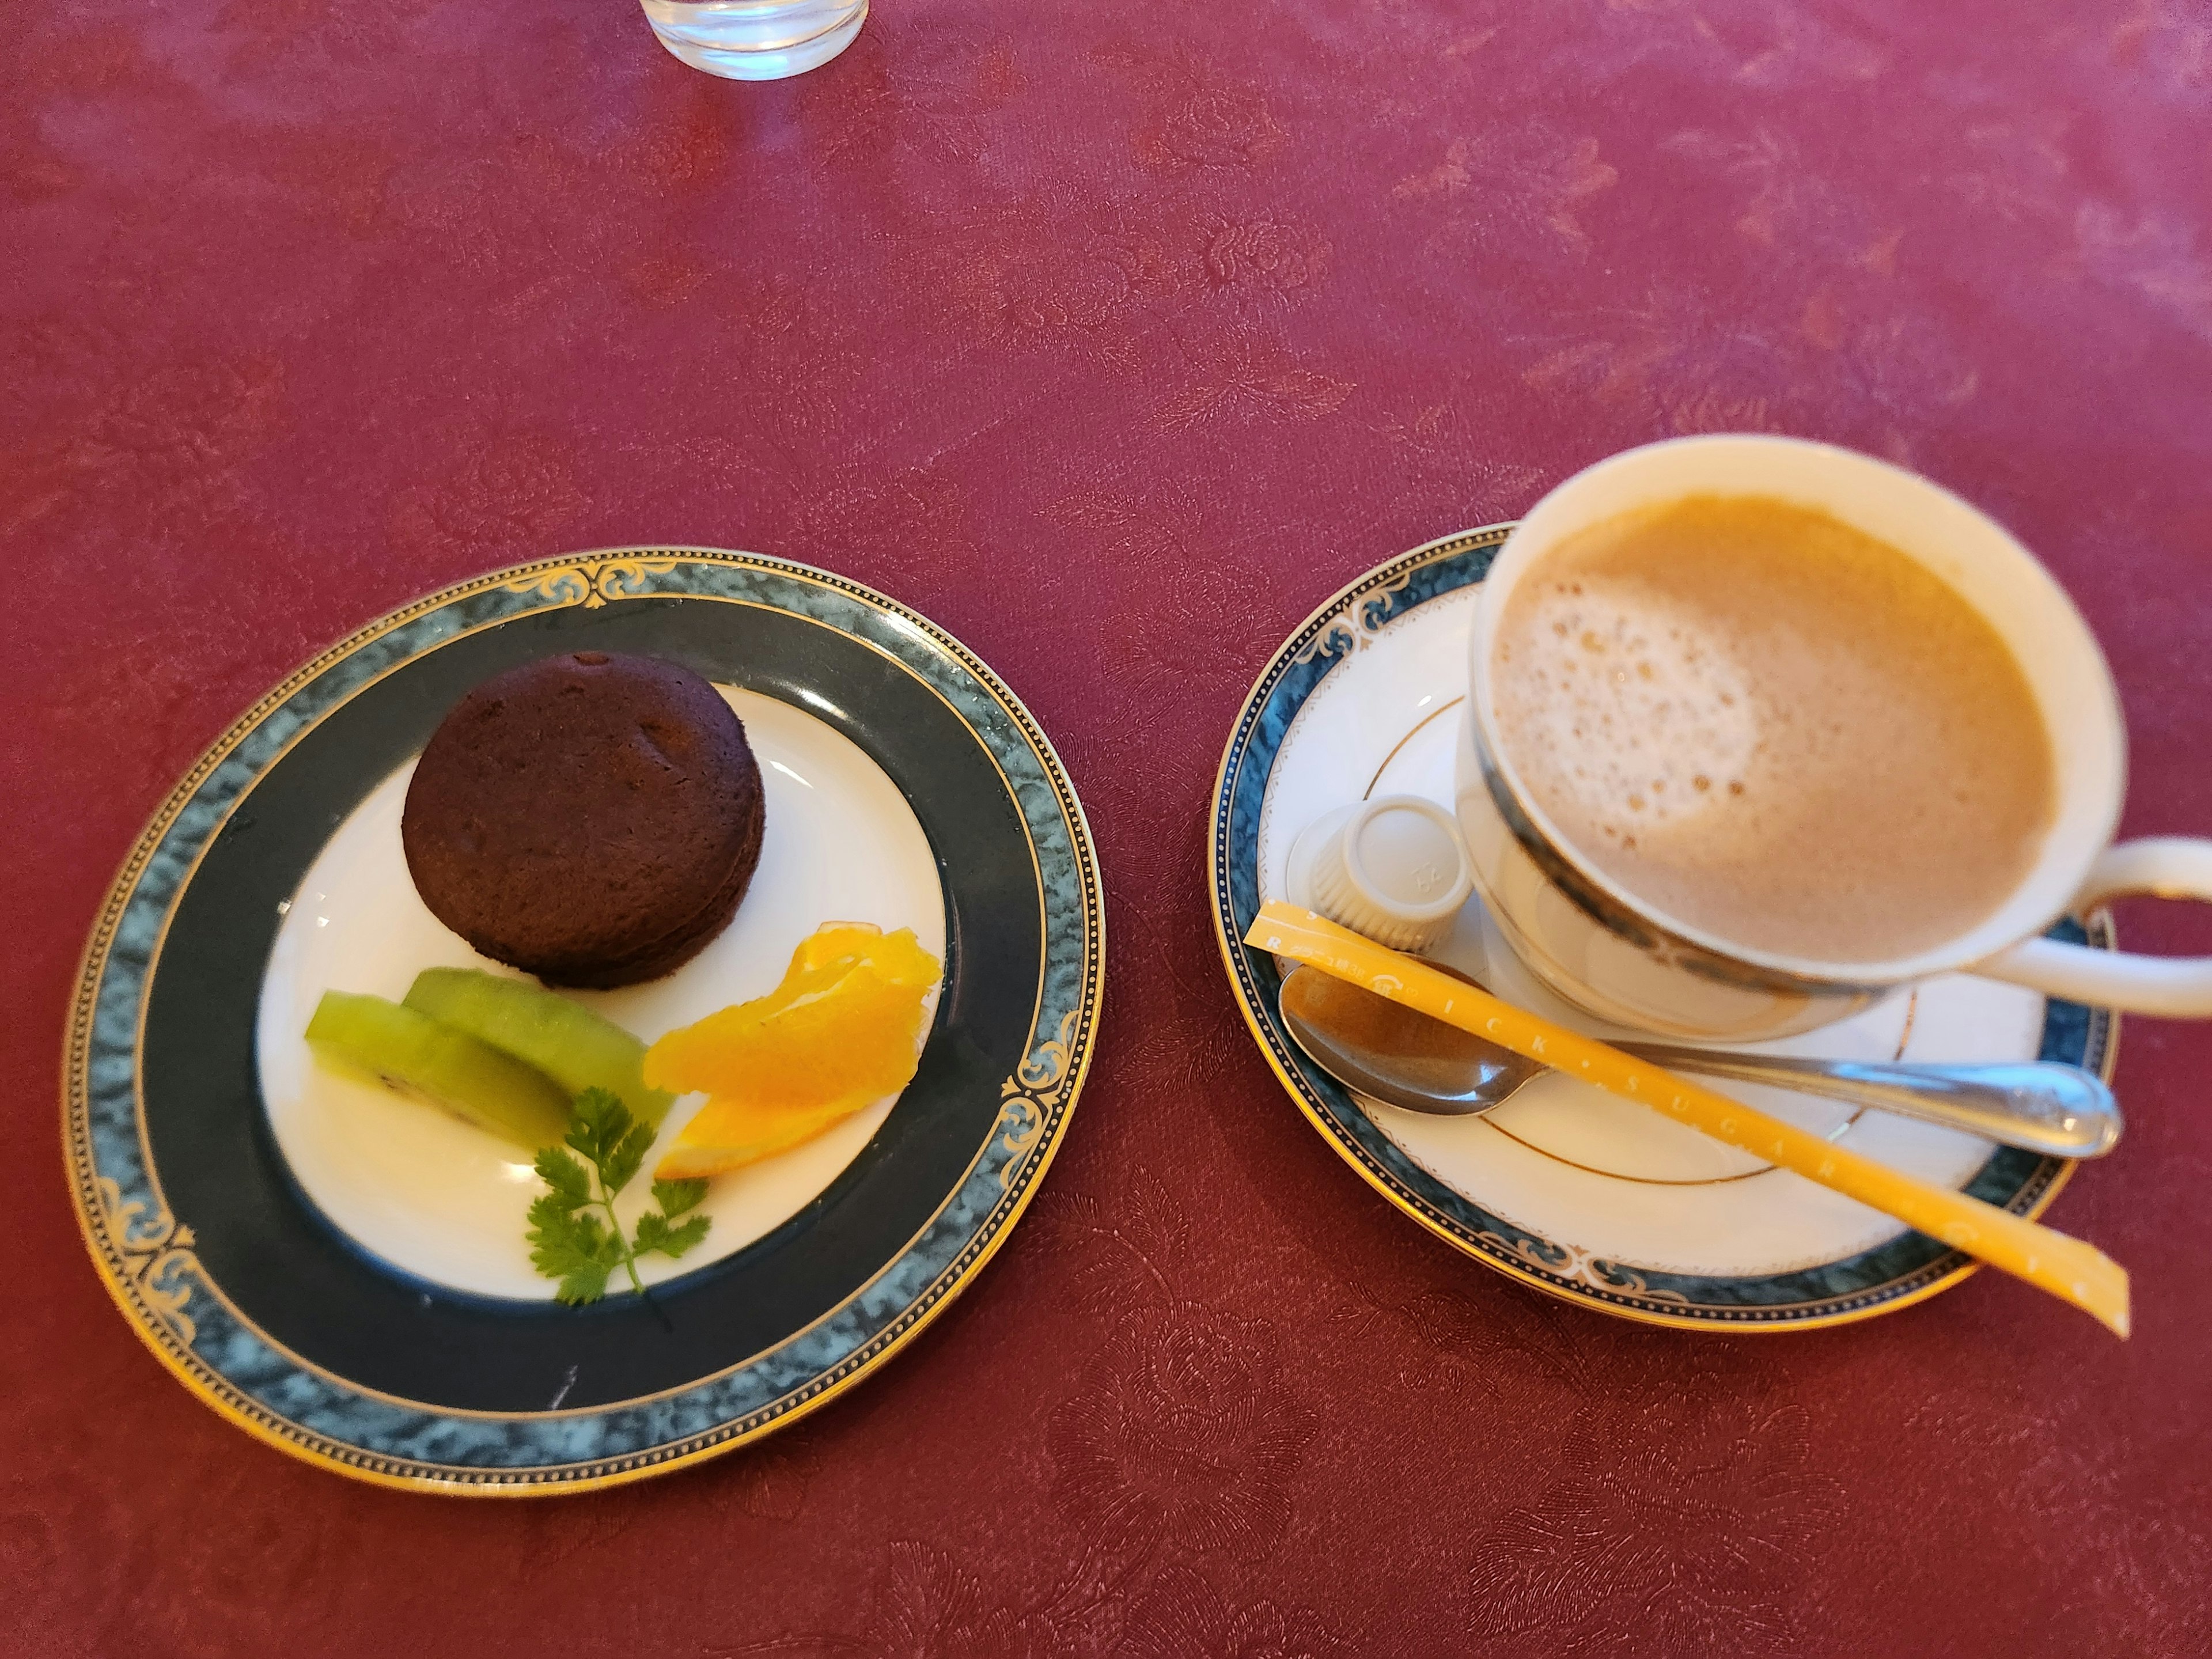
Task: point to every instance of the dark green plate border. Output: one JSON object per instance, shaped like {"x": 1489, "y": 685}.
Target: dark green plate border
{"x": 1904, "y": 1270}
{"x": 147, "y": 1255}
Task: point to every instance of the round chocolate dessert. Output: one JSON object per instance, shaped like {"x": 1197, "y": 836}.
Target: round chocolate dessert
{"x": 593, "y": 819}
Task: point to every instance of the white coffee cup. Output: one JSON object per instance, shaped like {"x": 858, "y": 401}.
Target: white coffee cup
{"x": 1600, "y": 946}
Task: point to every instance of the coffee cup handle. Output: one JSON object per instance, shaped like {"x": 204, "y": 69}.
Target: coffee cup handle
{"x": 2174, "y": 987}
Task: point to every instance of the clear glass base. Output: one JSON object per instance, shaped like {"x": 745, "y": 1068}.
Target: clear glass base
{"x": 756, "y": 39}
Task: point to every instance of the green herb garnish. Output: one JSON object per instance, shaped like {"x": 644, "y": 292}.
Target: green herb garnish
{"x": 569, "y": 1241}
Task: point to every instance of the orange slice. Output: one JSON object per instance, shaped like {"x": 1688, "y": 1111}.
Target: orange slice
{"x": 841, "y": 1032}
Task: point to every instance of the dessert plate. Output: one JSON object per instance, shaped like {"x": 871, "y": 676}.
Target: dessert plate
{"x": 344, "y": 1273}
{"x": 1592, "y": 1197}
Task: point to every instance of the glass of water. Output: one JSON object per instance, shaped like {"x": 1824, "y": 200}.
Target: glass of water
{"x": 756, "y": 39}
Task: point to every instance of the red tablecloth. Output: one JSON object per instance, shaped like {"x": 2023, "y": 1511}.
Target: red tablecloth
{"x": 1114, "y": 337}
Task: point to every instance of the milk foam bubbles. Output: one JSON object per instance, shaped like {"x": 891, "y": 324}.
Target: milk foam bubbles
{"x": 1772, "y": 728}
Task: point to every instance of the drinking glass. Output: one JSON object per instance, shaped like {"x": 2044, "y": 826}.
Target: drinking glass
{"x": 756, "y": 39}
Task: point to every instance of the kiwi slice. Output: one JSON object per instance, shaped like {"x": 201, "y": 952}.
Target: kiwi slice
{"x": 578, "y": 1049}
{"x": 421, "y": 1056}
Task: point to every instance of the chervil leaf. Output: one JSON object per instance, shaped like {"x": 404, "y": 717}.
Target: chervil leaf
{"x": 555, "y": 1228}
{"x": 567, "y": 1240}
{"x": 572, "y": 1247}
{"x": 675, "y": 1197}
{"x": 570, "y": 1182}
{"x": 623, "y": 1156}
{"x": 597, "y": 1124}
{"x": 654, "y": 1233}
{"x": 587, "y": 1283}
{"x": 550, "y": 1217}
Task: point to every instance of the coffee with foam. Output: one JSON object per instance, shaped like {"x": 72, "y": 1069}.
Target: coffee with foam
{"x": 1775, "y": 729}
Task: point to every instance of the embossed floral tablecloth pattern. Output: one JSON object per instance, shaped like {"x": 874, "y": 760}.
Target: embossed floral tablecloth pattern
{"x": 1114, "y": 337}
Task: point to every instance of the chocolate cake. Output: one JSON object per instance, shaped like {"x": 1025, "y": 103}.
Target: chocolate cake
{"x": 593, "y": 819}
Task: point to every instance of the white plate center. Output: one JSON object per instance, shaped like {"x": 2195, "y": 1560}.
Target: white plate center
{"x": 438, "y": 1198}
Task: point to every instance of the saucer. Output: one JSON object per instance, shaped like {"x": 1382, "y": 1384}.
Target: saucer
{"x": 344, "y": 1273}
{"x": 1587, "y": 1196}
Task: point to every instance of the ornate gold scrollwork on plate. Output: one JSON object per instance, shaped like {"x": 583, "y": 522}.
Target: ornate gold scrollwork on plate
{"x": 1355, "y": 627}
{"x": 1573, "y": 1263}
{"x": 1612, "y": 1276}
{"x": 593, "y": 584}
{"x": 565, "y": 586}
{"x": 1552, "y": 1258}
{"x": 152, "y": 1248}
{"x": 1027, "y": 1097}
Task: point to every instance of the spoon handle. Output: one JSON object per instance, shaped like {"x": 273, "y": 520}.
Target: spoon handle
{"x": 2038, "y": 1104}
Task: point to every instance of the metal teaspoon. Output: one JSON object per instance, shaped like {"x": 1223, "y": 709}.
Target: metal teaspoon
{"x": 1406, "y": 1060}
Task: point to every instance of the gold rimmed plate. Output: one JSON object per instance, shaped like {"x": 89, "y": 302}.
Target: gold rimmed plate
{"x": 1590, "y": 1198}
{"x": 350, "y": 1320}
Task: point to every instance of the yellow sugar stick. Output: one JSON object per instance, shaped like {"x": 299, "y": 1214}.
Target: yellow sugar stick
{"x": 2067, "y": 1268}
